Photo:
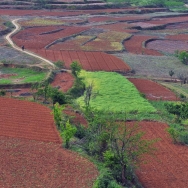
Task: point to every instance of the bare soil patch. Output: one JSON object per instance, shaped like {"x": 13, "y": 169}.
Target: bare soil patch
{"x": 153, "y": 90}
{"x": 28, "y": 164}
{"x": 63, "y": 80}
{"x": 75, "y": 117}
{"x": 91, "y": 61}
{"x": 168, "y": 167}
{"x": 24, "y": 119}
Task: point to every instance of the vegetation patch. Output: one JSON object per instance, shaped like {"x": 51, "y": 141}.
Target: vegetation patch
{"x": 21, "y": 75}
{"x": 114, "y": 93}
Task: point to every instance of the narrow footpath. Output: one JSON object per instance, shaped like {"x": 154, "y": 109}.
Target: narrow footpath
{"x": 8, "y": 38}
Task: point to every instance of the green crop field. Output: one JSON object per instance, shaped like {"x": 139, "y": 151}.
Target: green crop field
{"x": 21, "y": 75}
{"x": 114, "y": 93}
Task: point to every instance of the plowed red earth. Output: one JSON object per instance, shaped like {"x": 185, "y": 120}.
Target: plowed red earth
{"x": 63, "y": 80}
{"x": 182, "y": 37}
{"x": 75, "y": 117}
{"x": 153, "y": 90}
{"x": 39, "y": 37}
{"x": 23, "y": 119}
{"x": 168, "y": 167}
{"x": 28, "y": 164}
{"x": 91, "y": 61}
{"x": 135, "y": 45}
{"x": 69, "y": 13}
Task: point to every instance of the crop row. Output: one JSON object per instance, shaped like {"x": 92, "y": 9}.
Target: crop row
{"x": 29, "y": 120}
{"x": 93, "y": 61}
{"x": 25, "y": 163}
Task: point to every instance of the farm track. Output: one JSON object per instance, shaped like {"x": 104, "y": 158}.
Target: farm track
{"x": 8, "y": 38}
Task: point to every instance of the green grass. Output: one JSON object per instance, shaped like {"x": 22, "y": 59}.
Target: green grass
{"x": 177, "y": 88}
{"x": 24, "y": 75}
{"x": 115, "y": 93}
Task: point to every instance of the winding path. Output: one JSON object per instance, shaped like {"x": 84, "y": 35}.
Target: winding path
{"x": 8, "y": 38}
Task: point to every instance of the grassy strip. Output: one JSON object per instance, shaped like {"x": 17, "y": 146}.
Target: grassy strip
{"x": 177, "y": 88}
{"x": 23, "y": 75}
{"x": 115, "y": 93}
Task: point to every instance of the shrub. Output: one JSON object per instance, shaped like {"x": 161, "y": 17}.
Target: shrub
{"x": 183, "y": 57}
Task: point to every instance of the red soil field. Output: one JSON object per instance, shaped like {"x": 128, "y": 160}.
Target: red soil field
{"x": 168, "y": 46}
{"x": 30, "y": 163}
{"x": 69, "y": 13}
{"x": 91, "y": 61}
{"x": 177, "y": 26}
{"x": 153, "y": 90}
{"x": 37, "y": 37}
{"x": 63, "y": 80}
{"x": 168, "y": 167}
{"x": 135, "y": 45}
{"x": 75, "y": 117}
{"x": 24, "y": 119}
{"x": 182, "y": 37}
{"x": 114, "y": 18}
{"x": 170, "y": 20}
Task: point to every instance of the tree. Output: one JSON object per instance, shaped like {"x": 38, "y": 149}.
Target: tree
{"x": 60, "y": 64}
{"x": 180, "y": 110}
{"x": 2, "y": 92}
{"x": 117, "y": 144}
{"x": 76, "y": 68}
{"x": 183, "y": 78}
{"x": 126, "y": 146}
{"x": 183, "y": 57}
{"x": 57, "y": 113}
{"x": 68, "y": 131}
{"x": 171, "y": 73}
{"x": 57, "y": 96}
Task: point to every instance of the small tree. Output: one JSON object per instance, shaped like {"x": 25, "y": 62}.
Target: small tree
{"x": 76, "y": 68}
{"x": 60, "y": 64}
{"x": 126, "y": 146}
{"x": 57, "y": 113}
{"x": 2, "y": 93}
{"x": 183, "y": 78}
{"x": 68, "y": 131}
{"x": 183, "y": 57}
{"x": 57, "y": 96}
{"x": 171, "y": 73}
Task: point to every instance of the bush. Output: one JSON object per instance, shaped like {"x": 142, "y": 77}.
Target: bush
{"x": 183, "y": 57}
{"x": 78, "y": 88}
{"x": 2, "y": 93}
{"x": 80, "y": 132}
{"x": 105, "y": 180}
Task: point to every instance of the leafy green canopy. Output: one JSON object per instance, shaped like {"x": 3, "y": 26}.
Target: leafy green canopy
{"x": 114, "y": 93}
